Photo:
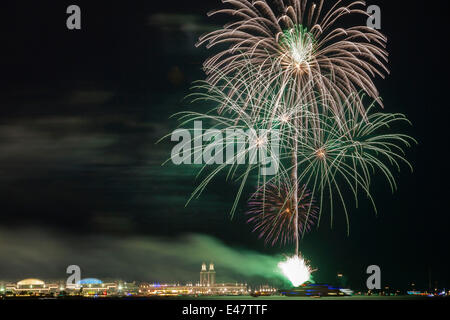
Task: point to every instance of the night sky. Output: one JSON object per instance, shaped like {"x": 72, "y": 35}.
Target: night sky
{"x": 81, "y": 180}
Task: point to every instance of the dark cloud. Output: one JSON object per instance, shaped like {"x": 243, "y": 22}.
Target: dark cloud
{"x": 180, "y": 22}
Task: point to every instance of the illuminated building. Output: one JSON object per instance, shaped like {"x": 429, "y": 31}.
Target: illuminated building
{"x": 223, "y": 289}
{"x": 32, "y": 287}
{"x": 85, "y": 287}
{"x": 93, "y": 287}
{"x": 206, "y": 286}
{"x": 207, "y": 278}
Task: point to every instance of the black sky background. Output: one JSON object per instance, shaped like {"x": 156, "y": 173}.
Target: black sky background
{"x": 81, "y": 112}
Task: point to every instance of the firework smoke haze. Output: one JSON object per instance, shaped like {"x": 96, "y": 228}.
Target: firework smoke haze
{"x": 130, "y": 257}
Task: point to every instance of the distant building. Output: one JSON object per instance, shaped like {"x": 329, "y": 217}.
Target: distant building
{"x": 211, "y": 275}
{"x": 206, "y": 286}
{"x": 207, "y": 278}
{"x": 85, "y": 287}
{"x": 91, "y": 287}
{"x": 31, "y": 287}
{"x": 204, "y": 275}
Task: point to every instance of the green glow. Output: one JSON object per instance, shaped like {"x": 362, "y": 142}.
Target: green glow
{"x": 299, "y": 45}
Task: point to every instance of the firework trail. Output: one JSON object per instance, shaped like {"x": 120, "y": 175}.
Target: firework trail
{"x": 271, "y": 211}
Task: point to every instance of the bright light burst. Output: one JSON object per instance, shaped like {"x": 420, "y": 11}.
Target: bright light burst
{"x": 299, "y": 48}
{"x": 296, "y": 269}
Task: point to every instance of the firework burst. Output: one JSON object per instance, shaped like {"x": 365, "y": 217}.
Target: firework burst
{"x": 300, "y": 44}
{"x": 271, "y": 211}
{"x": 347, "y": 155}
{"x": 329, "y": 155}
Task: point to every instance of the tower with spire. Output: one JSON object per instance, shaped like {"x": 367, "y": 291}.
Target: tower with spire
{"x": 203, "y": 275}
{"x": 211, "y": 275}
{"x": 207, "y": 277}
